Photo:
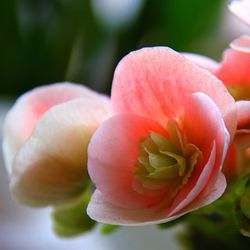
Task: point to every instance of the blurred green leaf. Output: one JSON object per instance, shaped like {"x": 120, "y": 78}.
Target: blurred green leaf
{"x": 73, "y": 220}
{"x": 108, "y": 229}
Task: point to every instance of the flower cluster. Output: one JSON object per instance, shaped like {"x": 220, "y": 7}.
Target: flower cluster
{"x": 175, "y": 131}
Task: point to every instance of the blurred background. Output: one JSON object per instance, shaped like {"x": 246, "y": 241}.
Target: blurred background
{"x": 47, "y": 41}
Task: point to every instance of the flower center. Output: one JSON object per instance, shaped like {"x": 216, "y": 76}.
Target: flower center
{"x": 165, "y": 162}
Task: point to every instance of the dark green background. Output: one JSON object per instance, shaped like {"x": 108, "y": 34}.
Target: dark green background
{"x": 46, "y": 41}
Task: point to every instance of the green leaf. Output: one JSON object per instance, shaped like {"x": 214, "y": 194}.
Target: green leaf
{"x": 241, "y": 186}
{"x": 72, "y": 219}
{"x": 108, "y": 229}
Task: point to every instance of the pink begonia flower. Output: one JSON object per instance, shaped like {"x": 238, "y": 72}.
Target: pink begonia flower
{"x": 160, "y": 156}
{"x": 233, "y": 71}
{"x": 45, "y": 139}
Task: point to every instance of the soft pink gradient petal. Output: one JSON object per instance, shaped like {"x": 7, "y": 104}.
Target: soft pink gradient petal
{"x": 235, "y": 68}
{"x": 205, "y": 128}
{"x": 112, "y": 155}
{"x": 156, "y": 82}
{"x": 241, "y": 9}
{"x": 101, "y": 210}
{"x": 50, "y": 167}
{"x": 203, "y": 61}
{"x": 241, "y": 44}
{"x": 28, "y": 110}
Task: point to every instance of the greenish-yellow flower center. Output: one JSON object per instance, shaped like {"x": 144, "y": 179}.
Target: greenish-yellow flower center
{"x": 164, "y": 162}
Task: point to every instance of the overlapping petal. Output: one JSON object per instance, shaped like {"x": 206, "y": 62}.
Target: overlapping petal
{"x": 241, "y": 44}
{"x": 112, "y": 154}
{"x": 49, "y": 165}
{"x": 203, "y": 61}
{"x": 28, "y": 110}
{"x": 156, "y": 82}
{"x": 234, "y": 72}
{"x": 105, "y": 212}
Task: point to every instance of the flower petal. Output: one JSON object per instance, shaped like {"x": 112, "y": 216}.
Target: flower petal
{"x": 241, "y": 9}
{"x": 112, "y": 154}
{"x": 203, "y": 61}
{"x": 155, "y": 82}
{"x": 209, "y": 194}
{"x": 241, "y": 44}
{"x": 205, "y": 128}
{"x": 243, "y": 114}
{"x": 102, "y": 211}
{"x": 234, "y": 68}
{"x": 28, "y": 110}
{"x": 51, "y": 165}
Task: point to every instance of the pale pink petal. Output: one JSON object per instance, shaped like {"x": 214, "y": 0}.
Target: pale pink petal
{"x": 102, "y": 211}
{"x": 203, "y": 61}
{"x": 241, "y": 44}
{"x": 241, "y": 9}
{"x": 235, "y": 68}
{"x": 205, "y": 128}
{"x": 112, "y": 155}
{"x": 30, "y": 107}
{"x": 156, "y": 82}
{"x": 50, "y": 166}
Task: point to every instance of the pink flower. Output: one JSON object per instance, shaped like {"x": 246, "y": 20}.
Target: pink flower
{"x": 160, "y": 156}
{"x": 45, "y": 139}
{"x": 233, "y": 71}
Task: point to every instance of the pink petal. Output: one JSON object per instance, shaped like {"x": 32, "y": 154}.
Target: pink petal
{"x": 234, "y": 69}
{"x": 112, "y": 154}
{"x": 205, "y": 128}
{"x": 230, "y": 163}
{"x": 101, "y": 210}
{"x": 50, "y": 167}
{"x": 28, "y": 110}
{"x": 242, "y": 136}
{"x": 203, "y": 61}
{"x": 156, "y": 82}
{"x": 208, "y": 195}
{"x": 243, "y": 114}
{"x": 241, "y": 44}
{"x": 241, "y": 9}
